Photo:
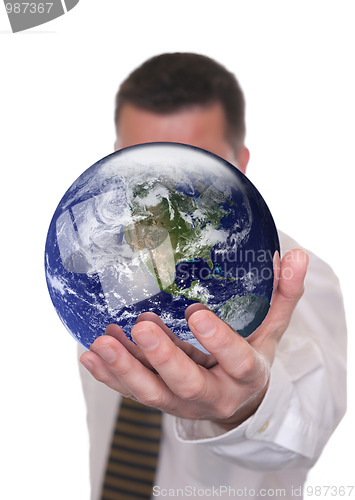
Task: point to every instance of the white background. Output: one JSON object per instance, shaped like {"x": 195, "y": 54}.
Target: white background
{"x": 295, "y": 62}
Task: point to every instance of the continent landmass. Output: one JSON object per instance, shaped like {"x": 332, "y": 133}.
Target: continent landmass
{"x": 193, "y": 227}
{"x": 193, "y": 230}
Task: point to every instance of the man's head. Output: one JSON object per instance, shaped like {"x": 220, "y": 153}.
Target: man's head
{"x": 187, "y": 98}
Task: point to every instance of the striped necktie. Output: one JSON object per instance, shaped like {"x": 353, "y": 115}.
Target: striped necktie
{"x": 132, "y": 462}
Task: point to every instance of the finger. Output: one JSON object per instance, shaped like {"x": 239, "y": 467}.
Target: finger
{"x": 116, "y": 332}
{"x": 180, "y": 373}
{"x": 233, "y": 353}
{"x": 130, "y": 373}
{"x": 289, "y": 291}
{"x": 98, "y": 369}
{"x": 193, "y": 308}
{"x": 195, "y": 354}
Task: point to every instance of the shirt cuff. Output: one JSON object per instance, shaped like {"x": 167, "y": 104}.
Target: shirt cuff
{"x": 264, "y": 424}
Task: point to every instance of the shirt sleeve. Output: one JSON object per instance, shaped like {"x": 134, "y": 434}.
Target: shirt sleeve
{"x": 306, "y": 397}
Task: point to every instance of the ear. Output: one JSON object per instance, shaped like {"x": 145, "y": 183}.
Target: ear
{"x": 243, "y": 159}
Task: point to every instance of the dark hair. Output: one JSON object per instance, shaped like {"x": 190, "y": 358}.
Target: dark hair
{"x": 169, "y": 82}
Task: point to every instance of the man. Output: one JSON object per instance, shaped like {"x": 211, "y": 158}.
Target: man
{"x": 259, "y": 418}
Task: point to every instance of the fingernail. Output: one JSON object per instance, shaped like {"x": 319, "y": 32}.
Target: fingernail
{"x": 145, "y": 338}
{"x": 203, "y": 323}
{"x": 106, "y": 353}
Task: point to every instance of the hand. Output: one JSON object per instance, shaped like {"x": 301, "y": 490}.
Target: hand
{"x": 226, "y": 387}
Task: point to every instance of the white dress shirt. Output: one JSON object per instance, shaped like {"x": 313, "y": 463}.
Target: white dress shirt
{"x": 270, "y": 453}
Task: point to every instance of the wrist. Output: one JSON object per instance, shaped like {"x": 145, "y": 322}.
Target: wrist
{"x": 244, "y": 412}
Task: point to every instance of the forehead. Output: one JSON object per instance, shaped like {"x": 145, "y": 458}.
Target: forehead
{"x": 201, "y": 126}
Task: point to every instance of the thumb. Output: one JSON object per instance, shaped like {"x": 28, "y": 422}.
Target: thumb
{"x": 290, "y": 289}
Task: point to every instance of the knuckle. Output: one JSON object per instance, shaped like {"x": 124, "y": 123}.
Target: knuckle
{"x": 103, "y": 376}
{"x": 122, "y": 369}
{"x": 152, "y": 399}
{"x": 195, "y": 390}
{"x": 223, "y": 343}
{"x": 246, "y": 368}
{"x": 226, "y": 410}
{"x": 164, "y": 357}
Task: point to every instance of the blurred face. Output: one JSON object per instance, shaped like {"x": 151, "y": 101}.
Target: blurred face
{"x": 204, "y": 127}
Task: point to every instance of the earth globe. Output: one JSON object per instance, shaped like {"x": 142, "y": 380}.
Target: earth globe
{"x": 157, "y": 227}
